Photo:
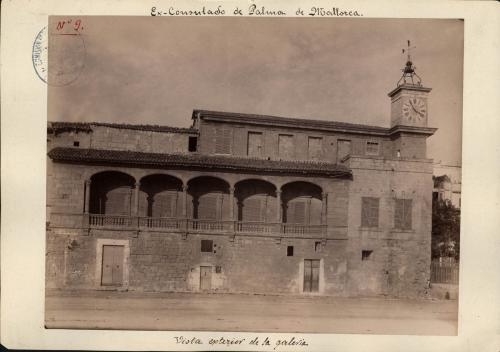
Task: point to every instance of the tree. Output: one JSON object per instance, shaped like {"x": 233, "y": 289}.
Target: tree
{"x": 445, "y": 229}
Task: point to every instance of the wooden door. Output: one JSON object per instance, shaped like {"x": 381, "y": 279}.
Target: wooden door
{"x": 311, "y": 275}
{"x": 205, "y": 278}
{"x": 112, "y": 265}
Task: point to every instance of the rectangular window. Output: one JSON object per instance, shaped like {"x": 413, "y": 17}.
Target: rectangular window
{"x": 402, "y": 214}
{"x": 254, "y": 144}
{"x": 207, "y": 246}
{"x": 285, "y": 146}
{"x": 315, "y": 147}
{"x": 369, "y": 212}
{"x": 223, "y": 139}
{"x": 343, "y": 149}
{"x": 365, "y": 255}
{"x": 372, "y": 148}
{"x": 289, "y": 251}
{"x": 76, "y": 143}
{"x": 317, "y": 246}
{"x": 193, "y": 144}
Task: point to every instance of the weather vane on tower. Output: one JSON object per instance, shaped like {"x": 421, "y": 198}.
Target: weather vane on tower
{"x": 409, "y": 70}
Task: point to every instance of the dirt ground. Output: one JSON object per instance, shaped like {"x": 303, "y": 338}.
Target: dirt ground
{"x": 257, "y": 313}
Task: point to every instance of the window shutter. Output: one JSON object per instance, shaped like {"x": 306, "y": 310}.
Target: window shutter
{"x": 403, "y": 214}
{"x": 407, "y": 213}
{"x": 118, "y": 201}
{"x": 207, "y": 207}
{"x": 223, "y": 136}
{"x": 369, "y": 212}
{"x": 315, "y": 147}
{"x": 299, "y": 212}
{"x": 252, "y": 209}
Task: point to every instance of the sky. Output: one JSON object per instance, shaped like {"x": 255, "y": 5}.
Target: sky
{"x": 157, "y": 70}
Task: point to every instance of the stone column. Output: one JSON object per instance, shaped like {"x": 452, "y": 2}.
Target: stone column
{"x": 231, "y": 203}
{"x": 86, "y": 207}
{"x": 324, "y": 200}
{"x": 184, "y": 201}
{"x": 136, "y": 199}
{"x": 278, "y": 206}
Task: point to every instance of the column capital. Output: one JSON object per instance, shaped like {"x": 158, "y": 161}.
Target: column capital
{"x": 278, "y": 192}
{"x": 88, "y": 182}
{"x": 138, "y": 184}
{"x": 231, "y": 190}
{"x": 184, "y": 188}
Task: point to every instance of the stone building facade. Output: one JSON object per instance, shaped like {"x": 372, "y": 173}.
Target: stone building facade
{"x": 243, "y": 203}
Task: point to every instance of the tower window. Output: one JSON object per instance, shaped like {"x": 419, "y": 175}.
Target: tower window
{"x": 193, "y": 144}
{"x": 289, "y": 251}
{"x": 76, "y": 144}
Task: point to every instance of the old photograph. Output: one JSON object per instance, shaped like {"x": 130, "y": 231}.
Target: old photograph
{"x": 253, "y": 174}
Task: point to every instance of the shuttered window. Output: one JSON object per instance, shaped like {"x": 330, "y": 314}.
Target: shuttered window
{"x": 208, "y": 206}
{"x": 369, "y": 212}
{"x": 298, "y": 212}
{"x": 343, "y": 149}
{"x": 285, "y": 146}
{"x": 223, "y": 137}
{"x": 402, "y": 214}
{"x": 315, "y": 147}
{"x": 252, "y": 209}
{"x": 118, "y": 201}
{"x": 254, "y": 147}
{"x": 164, "y": 205}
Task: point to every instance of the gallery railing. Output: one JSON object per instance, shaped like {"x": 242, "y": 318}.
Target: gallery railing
{"x": 189, "y": 225}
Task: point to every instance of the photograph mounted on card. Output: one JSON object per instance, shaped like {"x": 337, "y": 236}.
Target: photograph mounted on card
{"x": 276, "y": 175}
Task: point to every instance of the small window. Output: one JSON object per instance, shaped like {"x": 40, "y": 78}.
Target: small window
{"x": 366, "y": 255}
{"x": 317, "y": 246}
{"x": 372, "y": 148}
{"x": 218, "y": 269}
{"x": 289, "y": 251}
{"x": 207, "y": 246}
{"x": 76, "y": 144}
{"x": 402, "y": 214}
{"x": 193, "y": 144}
{"x": 369, "y": 212}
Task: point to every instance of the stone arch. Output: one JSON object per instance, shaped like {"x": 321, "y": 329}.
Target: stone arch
{"x": 160, "y": 196}
{"x": 302, "y": 203}
{"x": 111, "y": 192}
{"x": 209, "y": 198}
{"x": 256, "y": 201}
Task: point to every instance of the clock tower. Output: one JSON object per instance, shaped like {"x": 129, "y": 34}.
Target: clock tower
{"x": 409, "y": 114}
{"x": 409, "y": 98}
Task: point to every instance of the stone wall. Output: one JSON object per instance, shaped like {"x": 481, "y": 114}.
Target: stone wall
{"x": 169, "y": 262}
{"x": 400, "y": 262}
{"x": 112, "y": 138}
{"x": 270, "y": 137}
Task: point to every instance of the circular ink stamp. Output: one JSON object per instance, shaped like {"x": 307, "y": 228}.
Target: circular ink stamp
{"x": 66, "y": 60}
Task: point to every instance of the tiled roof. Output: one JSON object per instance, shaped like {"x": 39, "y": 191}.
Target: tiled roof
{"x": 198, "y": 161}
{"x": 288, "y": 122}
{"x": 59, "y": 127}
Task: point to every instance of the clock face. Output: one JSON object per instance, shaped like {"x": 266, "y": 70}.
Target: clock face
{"x": 414, "y": 109}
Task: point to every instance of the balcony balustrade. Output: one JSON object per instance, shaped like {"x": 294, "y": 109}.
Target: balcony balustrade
{"x": 204, "y": 225}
